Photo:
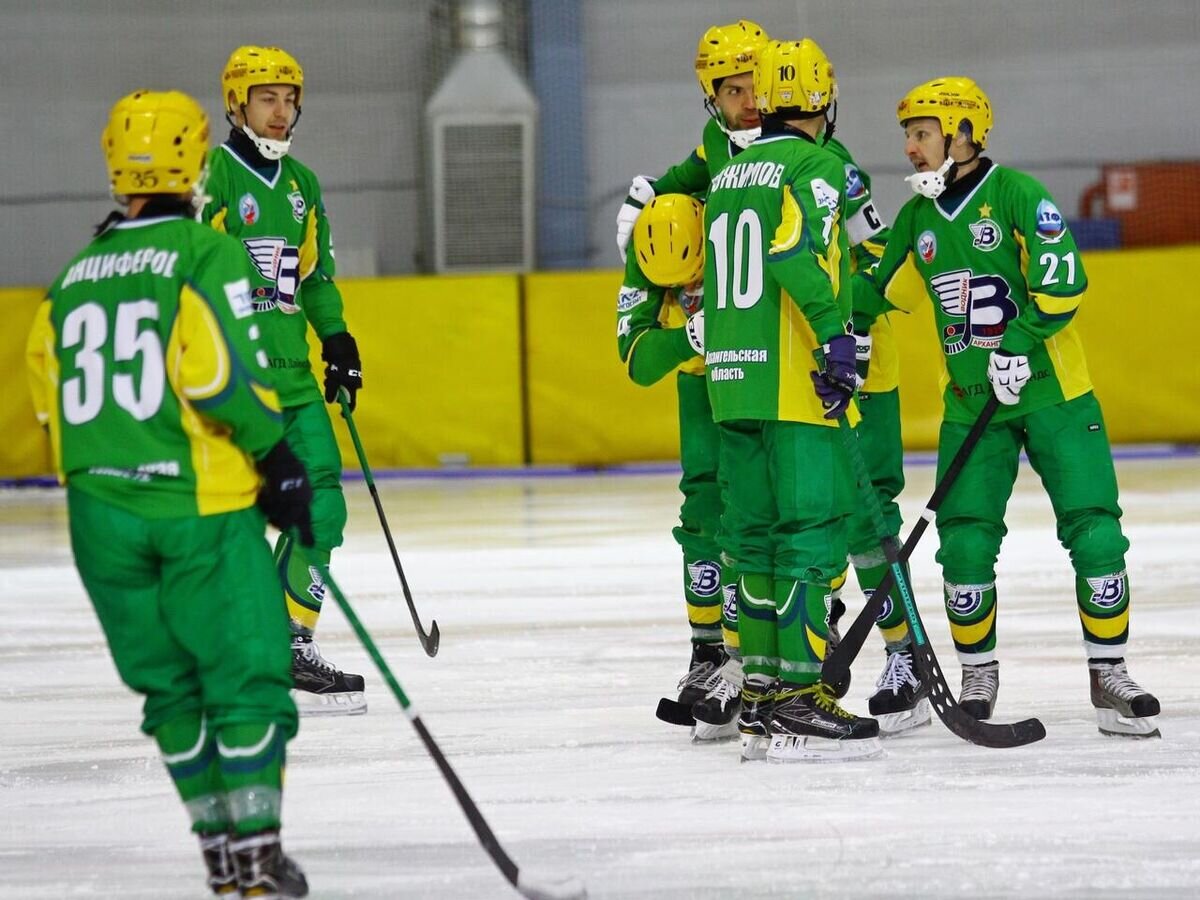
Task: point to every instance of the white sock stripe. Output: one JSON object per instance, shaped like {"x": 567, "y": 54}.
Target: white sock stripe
{"x": 172, "y": 759}
{"x": 236, "y": 752}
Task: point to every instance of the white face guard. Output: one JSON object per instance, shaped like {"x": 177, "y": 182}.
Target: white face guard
{"x": 930, "y": 184}
{"x": 268, "y": 148}
{"x": 744, "y": 138}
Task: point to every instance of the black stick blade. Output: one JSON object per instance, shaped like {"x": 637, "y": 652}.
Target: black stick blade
{"x": 674, "y": 713}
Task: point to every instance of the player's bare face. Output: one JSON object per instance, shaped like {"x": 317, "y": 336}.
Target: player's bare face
{"x": 271, "y": 110}
{"x": 735, "y": 99}
{"x": 924, "y": 144}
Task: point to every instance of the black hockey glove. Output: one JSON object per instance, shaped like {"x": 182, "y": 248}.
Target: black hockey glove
{"x": 343, "y": 368}
{"x": 836, "y": 382}
{"x": 286, "y": 495}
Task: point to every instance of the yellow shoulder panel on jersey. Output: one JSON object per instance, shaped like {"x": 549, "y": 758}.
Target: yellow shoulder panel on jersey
{"x": 198, "y": 366}
{"x": 308, "y": 248}
{"x": 40, "y": 361}
{"x": 702, "y": 153}
{"x": 218, "y": 221}
{"x": 791, "y": 228}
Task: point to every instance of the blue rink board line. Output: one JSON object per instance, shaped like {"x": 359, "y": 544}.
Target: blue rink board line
{"x": 922, "y": 458}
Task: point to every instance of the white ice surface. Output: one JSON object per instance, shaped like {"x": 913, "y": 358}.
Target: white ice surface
{"x": 558, "y": 600}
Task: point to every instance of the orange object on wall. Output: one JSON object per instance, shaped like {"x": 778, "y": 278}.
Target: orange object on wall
{"x": 1156, "y": 203}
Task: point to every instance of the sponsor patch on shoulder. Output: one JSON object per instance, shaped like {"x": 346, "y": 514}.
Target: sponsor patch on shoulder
{"x": 927, "y": 246}
{"x": 1050, "y": 224}
{"x": 629, "y": 297}
{"x": 855, "y": 187}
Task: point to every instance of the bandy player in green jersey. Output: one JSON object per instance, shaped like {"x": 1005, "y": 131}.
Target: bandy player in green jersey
{"x": 777, "y": 288}
{"x": 150, "y": 376}
{"x": 724, "y": 66}
{"x": 1006, "y": 279}
{"x": 659, "y": 332}
{"x": 272, "y": 205}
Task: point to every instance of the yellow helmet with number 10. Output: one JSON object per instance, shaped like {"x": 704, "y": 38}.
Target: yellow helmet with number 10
{"x": 794, "y": 76}
{"x": 668, "y": 238}
{"x": 155, "y": 143}
{"x": 726, "y": 50}
{"x": 250, "y": 66}
{"x": 952, "y": 101}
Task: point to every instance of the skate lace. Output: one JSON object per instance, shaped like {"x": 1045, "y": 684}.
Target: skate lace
{"x": 826, "y": 700}
{"x": 703, "y": 675}
{"x": 897, "y": 673}
{"x": 724, "y": 690}
{"x": 979, "y": 683}
{"x": 1115, "y": 679}
{"x": 312, "y": 655}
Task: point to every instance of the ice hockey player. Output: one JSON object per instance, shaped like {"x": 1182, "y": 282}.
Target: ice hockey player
{"x": 660, "y": 330}
{"x": 777, "y": 288}
{"x": 1006, "y": 279}
{"x": 272, "y": 204}
{"x": 156, "y": 393}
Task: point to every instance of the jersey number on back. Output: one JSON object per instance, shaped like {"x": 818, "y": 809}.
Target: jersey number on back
{"x": 86, "y": 327}
{"x": 747, "y": 275}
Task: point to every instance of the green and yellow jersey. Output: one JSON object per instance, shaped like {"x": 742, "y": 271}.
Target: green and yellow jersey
{"x": 277, "y": 214}
{"x": 149, "y": 373}
{"x": 651, "y": 338}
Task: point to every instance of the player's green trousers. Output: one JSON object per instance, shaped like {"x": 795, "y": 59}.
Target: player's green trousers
{"x": 883, "y": 452}
{"x": 1068, "y": 448}
{"x": 700, "y": 514}
{"x": 309, "y": 433}
{"x": 790, "y": 494}
{"x": 190, "y": 608}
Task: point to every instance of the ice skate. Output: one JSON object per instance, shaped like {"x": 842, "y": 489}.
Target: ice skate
{"x": 900, "y": 702}
{"x": 808, "y": 725}
{"x": 701, "y": 674}
{"x": 222, "y": 874}
{"x": 264, "y": 871}
{"x": 716, "y": 714}
{"x": 1123, "y": 707}
{"x": 757, "y": 700}
{"x": 980, "y": 685}
{"x": 321, "y": 688}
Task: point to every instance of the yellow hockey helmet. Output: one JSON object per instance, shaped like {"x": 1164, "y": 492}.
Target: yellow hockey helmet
{"x": 155, "y": 143}
{"x": 727, "y": 50}
{"x": 250, "y": 66}
{"x": 952, "y": 101}
{"x": 794, "y": 76}
{"x": 668, "y": 238}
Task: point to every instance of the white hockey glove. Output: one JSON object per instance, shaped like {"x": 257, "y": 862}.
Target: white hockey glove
{"x": 930, "y": 184}
{"x": 1008, "y": 373}
{"x": 695, "y": 332}
{"x": 641, "y": 192}
{"x": 862, "y": 357}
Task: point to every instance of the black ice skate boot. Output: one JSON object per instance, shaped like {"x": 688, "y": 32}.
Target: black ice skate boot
{"x": 717, "y": 712}
{"x": 900, "y": 702}
{"x": 980, "y": 684}
{"x": 758, "y": 697}
{"x": 222, "y": 875}
{"x": 321, "y": 688}
{"x": 808, "y": 725}
{"x": 701, "y": 675}
{"x": 264, "y": 871}
{"x": 1123, "y": 707}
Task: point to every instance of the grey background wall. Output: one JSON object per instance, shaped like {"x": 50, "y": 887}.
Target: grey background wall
{"x": 1074, "y": 83}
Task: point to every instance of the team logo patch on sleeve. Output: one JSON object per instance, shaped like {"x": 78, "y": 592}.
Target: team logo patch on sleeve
{"x": 855, "y": 187}
{"x": 706, "y": 578}
{"x": 248, "y": 209}
{"x": 1050, "y": 224}
{"x": 927, "y": 246}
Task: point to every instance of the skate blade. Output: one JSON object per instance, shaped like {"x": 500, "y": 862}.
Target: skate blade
{"x": 898, "y": 723}
{"x": 807, "y": 748}
{"x": 754, "y": 747}
{"x": 707, "y": 733}
{"x": 351, "y": 703}
{"x": 1114, "y": 724}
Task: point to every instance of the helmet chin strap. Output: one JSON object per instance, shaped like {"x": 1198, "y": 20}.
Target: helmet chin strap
{"x": 268, "y": 148}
